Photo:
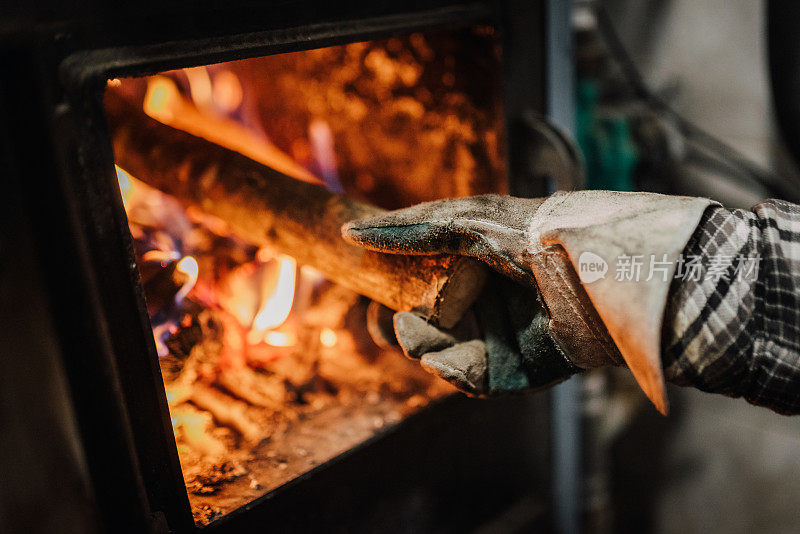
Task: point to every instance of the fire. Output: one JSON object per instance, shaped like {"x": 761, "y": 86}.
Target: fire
{"x": 260, "y": 355}
{"x": 161, "y": 98}
{"x": 200, "y": 86}
{"x": 188, "y": 266}
{"x": 227, "y": 91}
{"x": 322, "y": 146}
{"x": 276, "y": 307}
{"x": 164, "y": 103}
{"x": 279, "y": 339}
{"x": 161, "y": 333}
{"x": 125, "y": 186}
{"x": 194, "y": 429}
{"x": 328, "y": 337}
{"x": 164, "y": 257}
{"x": 259, "y": 295}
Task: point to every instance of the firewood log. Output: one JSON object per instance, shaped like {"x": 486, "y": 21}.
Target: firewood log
{"x": 297, "y": 218}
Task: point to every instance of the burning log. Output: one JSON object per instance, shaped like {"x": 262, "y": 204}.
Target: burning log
{"x": 301, "y": 219}
{"x": 228, "y": 412}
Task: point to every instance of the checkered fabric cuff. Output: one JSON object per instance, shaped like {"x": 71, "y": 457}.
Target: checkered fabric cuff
{"x": 732, "y": 322}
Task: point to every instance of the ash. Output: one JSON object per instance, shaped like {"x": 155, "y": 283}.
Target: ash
{"x": 242, "y": 432}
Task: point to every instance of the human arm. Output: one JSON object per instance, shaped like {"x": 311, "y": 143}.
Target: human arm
{"x": 522, "y": 338}
{"x": 737, "y": 332}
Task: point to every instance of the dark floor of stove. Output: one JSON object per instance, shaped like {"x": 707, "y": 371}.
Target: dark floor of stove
{"x": 458, "y": 464}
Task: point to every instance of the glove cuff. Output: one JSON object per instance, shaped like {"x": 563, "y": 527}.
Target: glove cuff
{"x": 574, "y": 323}
{"x": 601, "y": 228}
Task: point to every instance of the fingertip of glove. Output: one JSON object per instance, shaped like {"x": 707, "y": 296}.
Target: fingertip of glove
{"x": 353, "y": 231}
{"x": 417, "y": 336}
{"x": 463, "y": 365}
{"x": 368, "y": 233}
{"x": 396, "y": 237}
{"x": 380, "y": 221}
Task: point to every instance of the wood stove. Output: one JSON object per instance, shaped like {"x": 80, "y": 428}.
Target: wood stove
{"x": 86, "y": 372}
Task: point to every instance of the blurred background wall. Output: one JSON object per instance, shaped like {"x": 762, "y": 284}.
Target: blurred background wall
{"x": 718, "y": 465}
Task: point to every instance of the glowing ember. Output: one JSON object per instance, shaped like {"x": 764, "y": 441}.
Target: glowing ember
{"x": 161, "y": 96}
{"x": 328, "y": 337}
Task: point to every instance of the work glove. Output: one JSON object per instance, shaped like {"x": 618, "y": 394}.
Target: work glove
{"x": 537, "y": 321}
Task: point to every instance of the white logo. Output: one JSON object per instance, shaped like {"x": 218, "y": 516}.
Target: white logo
{"x": 591, "y": 267}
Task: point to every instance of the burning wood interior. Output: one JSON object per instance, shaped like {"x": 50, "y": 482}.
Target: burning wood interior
{"x": 235, "y": 178}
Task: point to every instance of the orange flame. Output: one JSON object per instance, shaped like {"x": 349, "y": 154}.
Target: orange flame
{"x": 276, "y": 307}
{"x": 200, "y": 86}
{"x": 228, "y": 92}
{"x": 188, "y": 266}
{"x": 280, "y": 339}
{"x": 126, "y": 188}
{"x": 164, "y": 103}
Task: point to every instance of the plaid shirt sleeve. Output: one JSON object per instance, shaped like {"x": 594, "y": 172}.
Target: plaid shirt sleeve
{"x": 732, "y": 322}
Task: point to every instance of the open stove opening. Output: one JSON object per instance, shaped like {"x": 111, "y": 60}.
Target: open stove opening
{"x": 270, "y": 369}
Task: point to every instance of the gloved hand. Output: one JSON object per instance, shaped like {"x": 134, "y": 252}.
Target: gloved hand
{"x": 504, "y": 345}
{"x": 535, "y": 322}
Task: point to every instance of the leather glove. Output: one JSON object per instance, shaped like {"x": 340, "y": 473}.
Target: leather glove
{"x": 536, "y": 323}
{"x": 503, "y": 345}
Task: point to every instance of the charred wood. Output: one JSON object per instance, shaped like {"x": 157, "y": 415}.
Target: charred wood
{"x": 301, "y": 219}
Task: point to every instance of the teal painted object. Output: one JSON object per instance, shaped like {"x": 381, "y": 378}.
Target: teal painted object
{"x": 610, "y": 153}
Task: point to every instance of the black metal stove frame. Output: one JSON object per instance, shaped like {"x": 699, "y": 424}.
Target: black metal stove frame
{"x": 456, "y": 464}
